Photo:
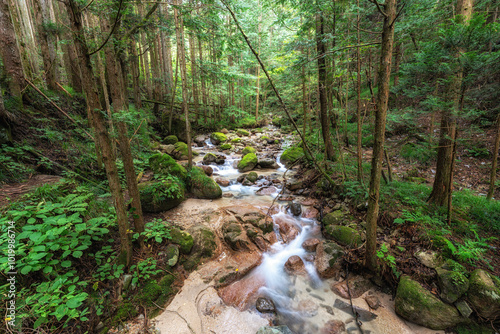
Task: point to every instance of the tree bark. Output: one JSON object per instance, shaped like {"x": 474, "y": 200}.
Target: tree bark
{"x": 47, "y": 43}
{"x": 494, "y": 163}
{"x": 359, "y": 152}
{"x": 379, "y": 137}
{"x": 194, "y": 76}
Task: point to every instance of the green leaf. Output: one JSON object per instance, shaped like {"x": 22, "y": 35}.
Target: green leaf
{"x": 61, "y": 311}
{"x": 80, "y": 227}
{"x": 66, "y": 264}
{"x": 26, "y": 269}
{"x": 47, "y": 270}
{"x": 37, "y": 256}
{"x": 77, "y": 254}
{"x": 35, "y": 236}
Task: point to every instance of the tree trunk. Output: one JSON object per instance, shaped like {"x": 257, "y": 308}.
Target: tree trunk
{"x": 98, "y": 123}
{"x": 202, "y": 81}
{"x": 358, "y": 111}
{"x": 320, "y": 45}
{"x": 194, "y": 77}
{"x": 47, "y": 43}
{"x": 134, "y": 67}
{"x": 9, "y": 52}
{"x": 179, "y": 32}
{"x": 379, "y": 137}
{"x": 257, "y": 98}
{"x": 494, "y": 162}
{"x": 442, "y": 187}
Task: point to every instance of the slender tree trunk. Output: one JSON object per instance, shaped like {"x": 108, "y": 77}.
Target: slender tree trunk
{"x": 202, "y": 81}
{"x": 442, "y": 187}
{"x": 379, "y": 137}
{"x": 28, "y": 35}
{"x": 134, "y": 67}
{"x": 257, "y": 98}
{"x": 179, "y": 31}
{"x": 358, "y": 111}
{"x": 494, "y": 163}
{"x": 98, "y": 122}
{"x": 320, "y": 45}
{"x": 46, "y": 43}
{"x": 194, "y": 77}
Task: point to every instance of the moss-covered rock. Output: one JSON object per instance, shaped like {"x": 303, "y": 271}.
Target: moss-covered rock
{"x": 166, "y": 165}
{"x": 290, "y": 155}
{"x": 248, "y": 163}
{"x": 202, "y": 186}
{"x": 124, "y": 312}
{"x": 484, "y": 294}
{"x": 205, "y": 242}
{"x": 344, "y": 235}
{"x": 209, "y": 158}
{"x": 233, "y": 236}
{"x": 418, "y": 305}
{"x": 264, "y": 138}
{"x": 161, "y": 195}
{"x": 252, "y": 177}
{"x": 242, "y": 132}
{"x": 181, "y": 150}
{"x": 217, "y": 138}
{"x": 225, "y": 146}
{"x": 236, "y": 140}
{"x": 452, "y": 284}
{"x": 247, "y": 150}
{"x": 149, "y": 293}
{"x": 181, "y": 238}
{"x": 170, "y": 140}
{"x": 277, "y": 121}
{"x": 172, "y": 255}
{"x": 334, "y": 218}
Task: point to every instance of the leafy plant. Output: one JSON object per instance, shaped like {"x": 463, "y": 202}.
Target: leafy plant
{"x": 384, "y": 255}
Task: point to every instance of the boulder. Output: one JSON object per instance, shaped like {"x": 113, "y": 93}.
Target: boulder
{"x": 328, "y": 259}
{"x": 242, "y": 132}
{"x": 224, "y": 131}
{"x": 204, "y": 240}
{"x": 373, "y": 301}
{"x": 166, "y": 165}
{"x": 268, "y": 163}
{"x": 172, "y": 255}
{"x": 429, "y": 258}
{"x": 248, "y": 163}
{"x": 170, "y": 140}
{"x": 234, "y": 236}
{"x": 418, "y": 305}
{"x": 463, "y": 308}
{"x": 217, "y": 137}
{"x": 207, "y": 169}
{"x": 311, "y": 244}
{"x": 291, "y": 155}
{"x": 222, "y": 182}
{"x": 181, "y": 238}
{"x": 252, "y": 177}
{"x": 199, "y": 140}
{"x": 266, "y": 191}
{"x": 265, "y": 305}
{"x": 452, "y": 284}
{"x": 344, "y": 235}
{"x": 333, "y": 327}
{"x": 484, "y": 294}
{"x": 225, "y": 146}
{"x": 247, "y": 150}
{"x": 202, "y": 186}
{"x": 209, "y": 158}
{"x": 236, "y": 140}
{"x": 295, "y": 209}
{"x": 169, "y": 149}
{"x": 295, "y": 266}
{"x": 181, "y": 151}
{"x": 334, "y": 218}
{"x": 310, "y": 213}
{"x": 161, "y": 195}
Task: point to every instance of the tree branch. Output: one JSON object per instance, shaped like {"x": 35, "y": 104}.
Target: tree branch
{"x": 118, "y": 15}
{"x": 143, "y": 21}
{"x": 378, "y": 7}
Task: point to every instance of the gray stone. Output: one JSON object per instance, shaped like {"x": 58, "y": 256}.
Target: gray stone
{"x": 274, "y": 330}
{"x": 127, "y": 279}
{"x": 463, "y": 308}
{"x": 295, "y": 208}
{"x": 429, "y": 258}
{"x": 268, "y": 163}
{"x": 265, "y": 305}
{"x": 484, "y": 294}
{"x": 452, "y": 284}
{"x": 172, "y": 255}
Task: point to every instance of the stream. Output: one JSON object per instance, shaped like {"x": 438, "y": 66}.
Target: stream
{"x": 304, "y": 302}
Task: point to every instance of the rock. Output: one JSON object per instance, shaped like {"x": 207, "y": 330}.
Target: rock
{"x": 181, "y": 151}
{"x": 333, "y": 327}
{"x": 295, "y": 266}
{"x": 268, "y": 163}
{"x": 225, "y": 146}
{"x": 204, "y": 240}
{"x": 228, "y": 195}
{"x": 252, "y": 177}
{"x": 344, "y": 235}
{"x": 310, "y": 213}
{"x": 248, "y": 163}
{"x": 266, "y": 191}
{"x": 452, "y": 284}
{"x": 166, "y": 165}
{"x": 295, "y": 185}
{"x": 463, "y": 308}
{"x": 209, "y": 158}
{"x": 170, "y": 140}
{"x": 201, "y": 186}
{"x": 242, "y": 132}
{"x": 429, "y": 258}
{"x": 224, "y": 131}
{"x": 247, "y": 150}
{"x": 127, "y": 279}
{"x": 158, "y": 196}
{"x": 241, "y": 178}
{"x": 364, "y": 315}
{"x": 357, "y": 286}
{"x": 169, "y": 149}
{"x": 207, "y": 169}
{"x": 372, "y": 301}
{"x": 265, "y": 305}
{"x": 307, "y": 308}
{"x": 334, "y": 218}
{"x": 200, "y": 140}
{"x": 291, "y": 155}
{"x": 234, "y": 236}
{"x": 222, "y": 182}
{"x": 287, "y": 227}
{"x": 418, "y": 305}
{"x": 181, "y": 238}
{"x": 247, "y": 183}
{"x": 172, "y": 255}
{"x": 295, "y": 209}
{"x": 311, "y": 244}
{"x": 274, "y": 330}
{"x": 236, "y": 266}
{"x": 328, "y": 259}
{"x": 484, "y": 294}
{"x": 217, "y": 137}
{"x": 235, "y": 140}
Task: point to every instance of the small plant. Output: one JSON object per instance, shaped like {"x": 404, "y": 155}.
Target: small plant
{"x": 156, "y": 229}
{"x": 388, "y": 259}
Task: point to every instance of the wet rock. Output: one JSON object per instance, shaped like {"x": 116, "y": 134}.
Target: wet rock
{"x": 274, "y": 330}
{"x": 234, "y": 237}
{"x": 484, "y": 294}
{"x": 247, "y": 183}
{"x": 285, "y": 198}
{"x": 217, "y": 137}
{"x": 228, "y": 195}
{"x": 418, "y": 305}
{"x": 295, "y": 209}
{"x": 311, "y": 244}
{"x": 207, "y": 169}
{"x": 328, "y": 260}
{"x": 236, "y": 266}
{"x": 172, "y": 255}
{"x": 372, "y": 301}
{"x": 344, "y": 235}
{"x": 204, "y": 240}
{"x": 364, "y": 315}
{"x": 307, "y": 308}
{"x": 333, "y": 327}
{"x": 354, "y": 287}
{"x": 222, "y": 182}
{"x": 295, "y": 266}
{"x": 452, "y": 284}
{"x": 248, "y": 163}
{"x": 199, "y": 140}
{"x": 252, "y": 177}
{"x": 268, "y": 163}
{"x": 310, "y": 213}
{"x": 429, "y": 258}
{"x": 266, "y": 191}
{"x": 209, "y": 158}
{"x": 287, "y": 228}
{"x": 265, "y": 305}
{"x": 463, "y": 308}
{"x": 221, "y": 160}
{"x": 241, "y": 178}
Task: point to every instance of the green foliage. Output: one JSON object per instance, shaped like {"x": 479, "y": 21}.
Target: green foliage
{"x": 417, "y": 153}
{"x": 384, "y": 255}
{"x": 156, "y": 229}
{"x": 144, "y": 270}
{"x": 164, "y": 164}
{"x": 12, "y": 166}
{"x": 484, "y": 212}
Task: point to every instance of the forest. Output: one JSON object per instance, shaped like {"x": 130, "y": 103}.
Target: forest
{"x": 250, "y": 167}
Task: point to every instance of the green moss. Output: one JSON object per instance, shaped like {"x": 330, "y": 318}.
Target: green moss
{"x": 258, "y": 130}
{"x": 241, "y": 132}
{"x": 343, "y": 235}
{"x": 149, "y": 294}
{"x": 165, "y": 164}
{"x": 247, "y": 150}
{"x": 236, "y": 140}
{"x": 162, "y": 195}
{"x": 277, "y": 121}
{"x": 124, "y": 312}
{"x": 484, "y": 294}
{"x": 264, "y": 138}
{"x": 218, "y": 137}
{"x": 202, "y": 186}
{"x": 248, "y": 162}
{"x": 166, "y": 289}
{"x": 182, "y": 148}
{"x": 226, "y": 147}
{"x": 170, "y": 140}
{"x": 334, "y": 218}
{"x": 183, "y": 239}
{"x": 290, "y": 155}
{"x": 252, "y": 177}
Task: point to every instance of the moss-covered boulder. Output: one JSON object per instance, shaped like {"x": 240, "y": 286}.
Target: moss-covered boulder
{"x": 418, "y": 305}
{"x": 181, "y": 238}
{"x": 170, "y": 140}
{"x": 149, "y": 293}
{"x": 181, "y": 150}
{"x": 236, "y": 140}
{"x": 264, "y": 138}
{"x": 209, "y": 158}
{"x": 202, "y": 186}
{"x": 247, "y": 150}
{"x": 334, "y": 218}
{"x": 291, "y": 155}
{"x": 234, "y": 237}
{"x": 452, "y": 284}
{"x": 217, "y": 138}
{"x": 242, "y": 132}
{"x": 484, "y": 294}
{"x": 161, "y": 195}
{"x": 205, "y": 242}
{"x": 344, "y": 235}
{"x": 248, "y": 163}
{"x": 252, "y": 177}
{"x": 123, "y": 312}
{"x": 225, "y": 146}
{"x": 328, "y": 259}
{"x": 166, "y": 165}
{"x": 172, "y": 255}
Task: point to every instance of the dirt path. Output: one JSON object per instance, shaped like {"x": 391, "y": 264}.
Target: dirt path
{"x": 11, "y": 192}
